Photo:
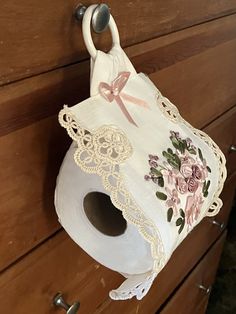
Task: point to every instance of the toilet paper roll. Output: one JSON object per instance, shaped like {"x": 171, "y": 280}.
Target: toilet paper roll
{"x": 87, "y": 214}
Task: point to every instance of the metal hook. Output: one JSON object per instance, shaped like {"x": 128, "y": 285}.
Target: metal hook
{"x": 100, "y": 18}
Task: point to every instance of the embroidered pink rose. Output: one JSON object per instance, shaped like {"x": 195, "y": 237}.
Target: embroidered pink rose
{"x": 193, "y": 207}
{"x": 181, "y": 185}
{"x": 192, "y": 185}
{"x": 169, "y": 173}
{"x": 181, "y": 175}
{"x": 186, "y": 158}
{"x": 186, "y": 169}
{"x": 173, "y": 199}
{"x": 204, "y": 169}
{"x": 197, "y": 172}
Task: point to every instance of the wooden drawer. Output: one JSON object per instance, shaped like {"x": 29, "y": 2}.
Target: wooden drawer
{"x": 57, "y": 265}
{"x": 223, "y": 132}
{"x": 39, "y": 36}
{"x": 188, "y": 297}
{"x": 32, "y": 157}
{"x": 201, "y": 308}
{"x": 227, "y": 197}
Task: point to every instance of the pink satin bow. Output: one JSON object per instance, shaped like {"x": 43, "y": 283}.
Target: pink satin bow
{"x": 113, "y": 92}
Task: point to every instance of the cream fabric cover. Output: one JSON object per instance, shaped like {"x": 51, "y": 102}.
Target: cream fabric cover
{"x": 162, "y": 173}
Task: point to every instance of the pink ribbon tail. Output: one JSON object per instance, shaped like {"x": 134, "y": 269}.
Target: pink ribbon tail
{"x": 124, "y": 110}
{"x": 135, "y": 100}
{"x": 113, "y": 92}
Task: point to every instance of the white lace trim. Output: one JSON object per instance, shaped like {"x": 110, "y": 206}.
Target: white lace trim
{"x": 139, "y": 290}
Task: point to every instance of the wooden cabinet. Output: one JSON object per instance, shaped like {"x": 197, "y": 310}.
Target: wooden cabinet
{"x": 189, "y": 53}
{"x": 196, "y": 288}
{"x": 57, "y": 265}
{"x": 223, "y": 131}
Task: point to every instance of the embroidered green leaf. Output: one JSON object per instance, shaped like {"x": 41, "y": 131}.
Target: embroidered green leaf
{"x": 181, "y": 147}
{"x": 185, "y": 144}
{"x": 161, "y": 196}
{"x": 179, "y": 221}
{"x": 182, "y": 213}
{"x": 192, "y": 151}
{"x": 208, "y": 169}
{"x": 173, "y": 163}
{"x": 169, "y": 214}
{"x": 156, "y": 172}
{"x": 160, "y": 181}
{"x": 200, "y": 154}
{"x": 172, "y": 159}
{"x": 208, "y": 184}
{"x": 205, "y": 188}
{"x": 177, "y": 160}
{"x": 170, "y": 151}
{"x": 175, "y": 142}
{"x": 181, "y": 227}
{"x": 167, "y": 155}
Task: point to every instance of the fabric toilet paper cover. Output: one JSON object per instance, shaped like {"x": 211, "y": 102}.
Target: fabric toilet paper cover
{"x": 162, "y": 173}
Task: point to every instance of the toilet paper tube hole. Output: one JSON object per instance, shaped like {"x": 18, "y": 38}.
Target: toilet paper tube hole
{"x": 103, "y": 215}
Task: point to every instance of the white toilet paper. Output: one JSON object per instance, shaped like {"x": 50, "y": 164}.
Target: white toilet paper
{"x": 121, "y": 252}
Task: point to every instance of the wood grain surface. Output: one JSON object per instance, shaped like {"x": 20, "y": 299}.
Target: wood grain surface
{"x": 36, "y": 37}
{"x": 201, "y": 86}
{"x": 194, "y": 67}
{"x": 29, "y": 162}
{"x": 227, "y": 196}
{"x": 223, "y": 131}
{"x": 57, "y": 266}
{"x": 60, "y": 265}
{"x": 189, "y": 296}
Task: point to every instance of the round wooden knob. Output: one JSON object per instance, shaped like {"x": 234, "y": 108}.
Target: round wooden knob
{"x": 70, "y": 309}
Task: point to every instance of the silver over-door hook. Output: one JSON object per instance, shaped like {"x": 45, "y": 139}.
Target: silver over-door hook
{"x": 100, "y": 18}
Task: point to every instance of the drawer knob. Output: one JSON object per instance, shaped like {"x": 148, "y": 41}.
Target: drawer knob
{"x": 70, "y": 309}
{"x": 232, "y": 149}
{"x": 205, "y": 289}
{"x": 100, "y": 17}
{"x": 218, "y": 224}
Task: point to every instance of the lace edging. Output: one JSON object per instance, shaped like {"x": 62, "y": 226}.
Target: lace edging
{"x": 139, "y": 290}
